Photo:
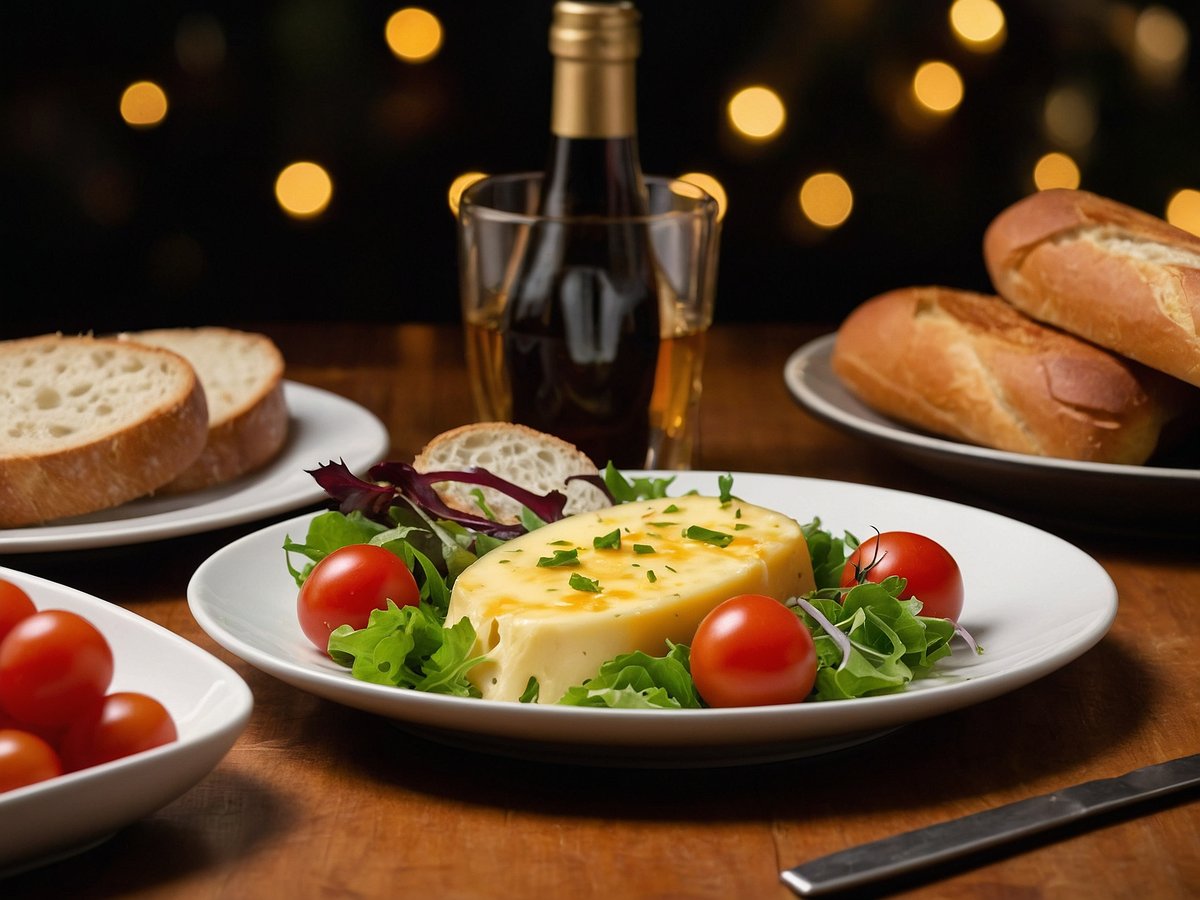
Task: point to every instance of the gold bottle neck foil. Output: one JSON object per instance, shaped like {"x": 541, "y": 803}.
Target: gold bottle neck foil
{"x": 595, "y": 48}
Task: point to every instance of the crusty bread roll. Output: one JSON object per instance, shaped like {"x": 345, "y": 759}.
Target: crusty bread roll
{"x": 969, "y": 366}
{"x": 89, "y": 423}
{"x": 242, "y": 375}
{"x": 1104, "y": 271}
{"x": 528, "y": 458}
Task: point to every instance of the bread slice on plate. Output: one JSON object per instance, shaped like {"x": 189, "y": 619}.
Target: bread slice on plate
{"x": 525, "y": 457}
{"x": 242, "y": 375}
{"x": 89, "y": 423}
{"x": 971, "y": 367}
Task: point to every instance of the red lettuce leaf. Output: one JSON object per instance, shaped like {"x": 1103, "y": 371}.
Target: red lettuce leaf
{"x": 402, "y": 481}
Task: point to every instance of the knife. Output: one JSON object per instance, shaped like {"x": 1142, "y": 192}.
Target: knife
{"x": 923, "y": 847}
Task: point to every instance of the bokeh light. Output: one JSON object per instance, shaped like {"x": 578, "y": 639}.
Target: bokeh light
{"x": 413, "y": 34}
{"x": 1160, "y": 44}
{"x": 978, "y": 24}
{"x": 143, "y": 104}
{"x": 1056, "y": 170}
{"x": 710, "y": 186}
{"x": 757, "y": 113}
{"x": 826, "y": 199}
{"x": 303, "y": 190}
{"x": 937, "y": 86}
{"x": 1070, "y": 117}
{"x": 459, "y": 185}
{"x": 200, "y": 44}
{"x": 1183, "y": 210}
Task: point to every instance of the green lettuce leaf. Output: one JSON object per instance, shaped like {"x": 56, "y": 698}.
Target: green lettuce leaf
{"x": 640, "y": 681}
{"x": 407, "y": 646}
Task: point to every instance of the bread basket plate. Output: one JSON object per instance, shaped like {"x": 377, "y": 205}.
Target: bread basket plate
{"x": 323, "y": 426}
{"x": 244, "y": 598}
{"x": 209, "y": 702}
{"x": 1095, "y": 494}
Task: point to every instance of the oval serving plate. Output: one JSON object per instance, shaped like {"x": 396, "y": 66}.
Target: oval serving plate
{"x": 244, "y": 598}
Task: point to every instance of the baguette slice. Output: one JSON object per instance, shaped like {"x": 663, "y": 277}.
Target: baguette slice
{"x": 242, "y": 375}
{"x": 969, "y": 366}
{"x": 90, "y": 423}
{"x": 1106, "y": 272}
{"x": 526, "y": 457}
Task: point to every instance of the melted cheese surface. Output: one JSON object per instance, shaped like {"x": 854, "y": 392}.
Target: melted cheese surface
{"x": 656, "y": 586}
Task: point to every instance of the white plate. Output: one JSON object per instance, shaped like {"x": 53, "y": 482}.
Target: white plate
{"x": 208, "y": 701}
{"x": 1092, "y": 493}
{"x": 245, "y": 599}
{"x": 323, "y": 426}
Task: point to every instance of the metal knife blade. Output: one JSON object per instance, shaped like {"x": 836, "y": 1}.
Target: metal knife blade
{"x": 913, "y": 850}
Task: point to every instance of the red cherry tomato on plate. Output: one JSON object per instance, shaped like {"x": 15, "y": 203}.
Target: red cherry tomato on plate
{"x": 25, "y": 759}
{"x": 15, "y": 605}
{"x": 751, "y": 650}
{"x": 53, "y": 666}
{"x": 346, "y": 585}
{"x": 933, "y": 575}
{"x": 122, "y": 723}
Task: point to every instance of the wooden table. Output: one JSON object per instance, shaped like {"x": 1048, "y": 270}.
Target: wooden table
{"x": 321, "y": 800}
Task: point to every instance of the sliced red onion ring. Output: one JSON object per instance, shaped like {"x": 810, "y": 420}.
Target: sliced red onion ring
{"x": 828, "y": 627}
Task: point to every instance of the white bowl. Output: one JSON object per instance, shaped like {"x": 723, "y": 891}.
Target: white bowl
{"x": 209, "y": 702}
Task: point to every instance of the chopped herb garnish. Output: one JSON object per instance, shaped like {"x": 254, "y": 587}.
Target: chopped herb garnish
{"x": 583, "y": 583}
{"x": 669, "y": 569}
{"x": 725, "y": 483}
{"x": 563, "y": 543}
{"x": 740, "y": 526}
{"x": 650, "y": 576}
{"x": 661, "y": 524}
{"x": 610, "y": 541}
{"x": 708, "y": 536}
{"x": 477, "y": 493}
{"x": 642, "y": 548}
{"x": 671, "y": 509}
{"x": 561, "y": 558}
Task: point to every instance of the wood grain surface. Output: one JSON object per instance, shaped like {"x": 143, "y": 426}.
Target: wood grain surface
{"x": 318, "y": 800}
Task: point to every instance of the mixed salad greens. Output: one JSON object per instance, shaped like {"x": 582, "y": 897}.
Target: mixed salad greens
{"x": 868, "y": 641}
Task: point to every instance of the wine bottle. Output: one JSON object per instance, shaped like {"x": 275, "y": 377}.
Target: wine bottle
{"x": 581, "y": 321}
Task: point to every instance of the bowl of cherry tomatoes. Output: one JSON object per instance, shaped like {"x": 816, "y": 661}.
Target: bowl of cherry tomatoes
{"x": 104, "y": 718}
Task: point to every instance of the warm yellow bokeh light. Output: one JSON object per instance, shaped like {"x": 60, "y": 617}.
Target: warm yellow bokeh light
{"x": 143, "y": 104}
{"x": 826, "y": 199}
{"x": 1070, "y": 117}
{"x": 459, "y": 185}
{"x": 303, "y": 190}
{"x": 413, "y": 34}
{"x": 757, "y": 112}
{"x": 978, "y": 24}
{"x": 1056, "y": 170}
{"x": 937, "y": 86}
{"x": 710, "y": 186}
{"x": 1183, "y": 210}
{"x": 1160, "y": 35}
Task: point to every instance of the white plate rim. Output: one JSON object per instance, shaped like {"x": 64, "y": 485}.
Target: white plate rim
{"x": 738, "y": 731}
{"x": 814, "y": 357}
{"x": 47, "y": 820}
{"x": 360, "y": 438}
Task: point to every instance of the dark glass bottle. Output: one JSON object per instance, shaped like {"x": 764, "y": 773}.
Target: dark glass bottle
{"x": 581, "y": 331}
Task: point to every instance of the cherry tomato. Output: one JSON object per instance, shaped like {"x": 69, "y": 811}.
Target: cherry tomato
{"x": 751, "y": 650}
{"x": 53, "y": 666}
{"x": 346, "y": 585}
{"x": 933, "y": 575}
{"x": 15, "y": 605}
{"x": 119, "y": 725}
{"x": 25, "y": 759}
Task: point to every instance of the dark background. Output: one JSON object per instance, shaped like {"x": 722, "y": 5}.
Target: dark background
{"x": 103, "y": 226}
